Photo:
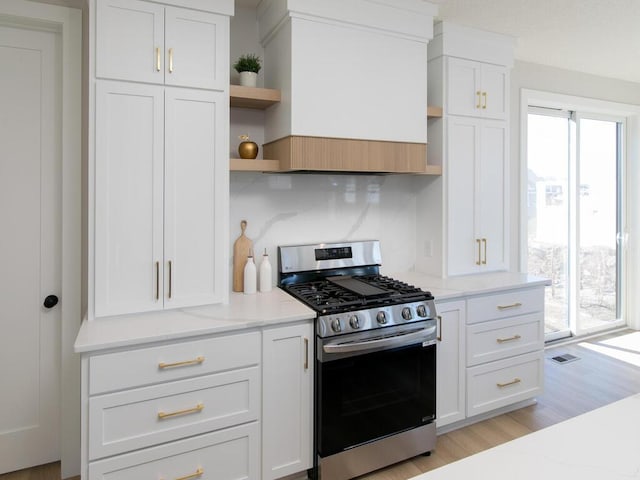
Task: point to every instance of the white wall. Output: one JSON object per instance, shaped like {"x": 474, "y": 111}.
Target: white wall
{"x": 548, "y": 79}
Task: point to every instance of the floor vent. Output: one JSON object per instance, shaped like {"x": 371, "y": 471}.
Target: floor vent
{"x": 564, "y": 358}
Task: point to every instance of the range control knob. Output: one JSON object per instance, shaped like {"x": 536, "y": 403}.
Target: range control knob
{"x": 406, "y": 313}
{"x": 354, "y": 321}
{"x": 381, "y": 317}
{"x": 422, "y": 311}
{"x": 336, "y": 325}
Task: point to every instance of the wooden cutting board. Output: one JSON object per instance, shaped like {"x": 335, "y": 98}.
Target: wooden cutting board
{"x": 242, "y": 248}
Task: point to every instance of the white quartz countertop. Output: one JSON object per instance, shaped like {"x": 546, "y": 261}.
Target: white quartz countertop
{"x": 467, "y": 285}
{"x": 601, "y": 444}
{"x": 262, "y": 309}
{"x": 242, "y": 312}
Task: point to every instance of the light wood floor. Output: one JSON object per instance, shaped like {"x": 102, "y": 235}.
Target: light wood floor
{"x": 595, "y": 380}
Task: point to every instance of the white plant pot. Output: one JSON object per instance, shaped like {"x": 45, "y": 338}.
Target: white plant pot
{"x": 248, "y": 79}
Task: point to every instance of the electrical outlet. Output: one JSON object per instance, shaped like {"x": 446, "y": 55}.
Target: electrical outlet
{"x": 428, "y": 248}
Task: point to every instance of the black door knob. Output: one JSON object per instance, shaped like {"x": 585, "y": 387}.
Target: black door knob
{"x": 51, "y": 301}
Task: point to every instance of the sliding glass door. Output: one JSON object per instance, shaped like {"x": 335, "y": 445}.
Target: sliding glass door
{"x": 574, "y": 208}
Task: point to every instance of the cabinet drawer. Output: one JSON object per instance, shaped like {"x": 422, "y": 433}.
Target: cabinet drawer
{"x": 497, "y": 384}
{"x": 145, "y": 366}
{"x": 230, "y": 454}
{"x": 489, "y": 341}
{"x": 507, "y": 304}
{"x": 143, "y": 417}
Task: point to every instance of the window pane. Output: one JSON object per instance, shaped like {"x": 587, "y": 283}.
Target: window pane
{"x": 598, "y": 223}
{"x": 548, "y": 212}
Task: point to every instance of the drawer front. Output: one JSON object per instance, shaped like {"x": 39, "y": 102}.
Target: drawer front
{"x": 146, "y": 366}
{"x": 498, "y": 384}
{"x": 123, "y": 421}
{"x": 489, "y": 341}
{"x": 507, "y": 304}
{"x": 231, "y": 454}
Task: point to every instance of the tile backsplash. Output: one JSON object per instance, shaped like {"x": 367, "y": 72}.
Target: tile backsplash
{"x": 310, "y": 208}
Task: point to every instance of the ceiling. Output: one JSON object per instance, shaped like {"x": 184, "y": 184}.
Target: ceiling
{"x": 601, "y": 37}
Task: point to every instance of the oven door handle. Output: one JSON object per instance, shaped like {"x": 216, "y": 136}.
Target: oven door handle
{"x": 410, "y": 338}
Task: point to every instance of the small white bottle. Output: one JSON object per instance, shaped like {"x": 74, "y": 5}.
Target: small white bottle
{"x": 265, "y": 273}
{"x": 250, "y": 275}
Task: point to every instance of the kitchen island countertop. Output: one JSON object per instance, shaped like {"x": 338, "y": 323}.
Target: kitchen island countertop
{"x": 242, "y": 312}
{"x": 601, "y": 444}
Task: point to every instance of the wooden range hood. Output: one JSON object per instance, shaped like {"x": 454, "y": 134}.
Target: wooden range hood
{"x": 353, "y": 77}
{"x": 322, "y": 154}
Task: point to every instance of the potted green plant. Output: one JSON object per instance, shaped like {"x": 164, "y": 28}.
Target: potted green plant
{"x": 248, "y": 67}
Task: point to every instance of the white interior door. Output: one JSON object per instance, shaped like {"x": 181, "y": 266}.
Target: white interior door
{"x": 30, "y": 202}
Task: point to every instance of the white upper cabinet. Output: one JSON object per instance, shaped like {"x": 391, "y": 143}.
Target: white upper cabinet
{"x": 159, "y": 172}
{"x": 195, "y": 161}
{"x": 476, "y": 195}
{"x": 146, "y": 42}
{"x": 128, "y": 197}
{"x": 469, "y": 77}
{"x": 476, "y": 89}
{"x": 158, "y": 169}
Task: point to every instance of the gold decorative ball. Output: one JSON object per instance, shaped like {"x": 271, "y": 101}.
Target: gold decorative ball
{"x": 248, "y": 150}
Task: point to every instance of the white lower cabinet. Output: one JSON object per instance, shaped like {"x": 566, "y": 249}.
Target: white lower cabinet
{"x": 450, "y": 386}
{"x": 201, "y": 420}
{"x": 287, "y": 404}
{"x": 142, "y": 417}
{"x": 504, "y": 348}
{"x": 503, "y": 382}
{"x": 490, "y": 353}
{"x": 230, "y": 454}
{"x": 222, "y": 407}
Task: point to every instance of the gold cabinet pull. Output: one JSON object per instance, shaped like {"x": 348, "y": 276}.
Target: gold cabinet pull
{"x": 171, "y": 60}
{"x": 484, "y": 260}
{"x": 439, "y": 337}
{"x": 479, "y": 251}
{"x": 170, "y": 279}
{"x": 157, "y": 280}
{"x": 478, "y": 93}
{"x": 484, "y": 95}
{"x": 512, "y": 382}
{"x": 510, "y": 339}
{"x": 184, "y": 363}
{"x": 158, "y": 59}
{"x": 506, "y": 307}
{"x": 198, "y": 473}
{"x": 196, "y": 409}
{"x": 306, "y": 353}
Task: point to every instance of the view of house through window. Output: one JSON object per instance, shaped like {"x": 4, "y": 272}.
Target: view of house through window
{"x": 574, "y": 218}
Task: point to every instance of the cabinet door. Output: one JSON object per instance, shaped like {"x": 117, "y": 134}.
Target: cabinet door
{"x": 450, "y": 387}
{"x": 130, "y": 40}
{"x": 463, "y": 255}
{"x": 463, "y": 88}
{"x": 128, "y": 198}
{"x": 492, "y": 210}
{"x": 195, "y": 210}
{"x": 287, "y": 406}
{"x": 195, "y": 55}
{"x": 494, "y": 93}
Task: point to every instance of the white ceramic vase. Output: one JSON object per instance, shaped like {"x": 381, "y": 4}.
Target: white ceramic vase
{"x": 248, "y": 79}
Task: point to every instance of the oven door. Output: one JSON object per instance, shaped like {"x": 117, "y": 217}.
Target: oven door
{"x": 364, "y": 395}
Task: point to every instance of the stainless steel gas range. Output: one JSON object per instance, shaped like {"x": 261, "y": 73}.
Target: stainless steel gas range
{"x": 375, "y": 350}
